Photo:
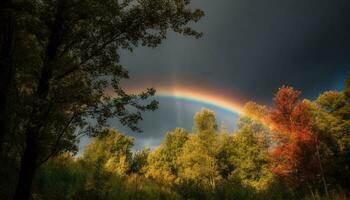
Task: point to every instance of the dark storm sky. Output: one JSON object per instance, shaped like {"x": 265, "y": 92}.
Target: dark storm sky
{"x": 250, "y": 48}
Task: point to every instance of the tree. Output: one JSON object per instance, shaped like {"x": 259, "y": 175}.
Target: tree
{"x": 204, "y": 121}
{"x": 77, "y": 43}
{"x": 224, "y": 152}
{"x": 162, "y": 164}
{"x": 198, "y": 160}
{"x": 337, "y": 107}
{"x": 332, "y": 123}
{"x": 250, "y": 151}
{"x": 111, "y": 151}
{"x": 294, "y": 143}
{"x": 138, "y": 161}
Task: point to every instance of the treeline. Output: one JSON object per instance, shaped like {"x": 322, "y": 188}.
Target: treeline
{"x": 296, "y": 149}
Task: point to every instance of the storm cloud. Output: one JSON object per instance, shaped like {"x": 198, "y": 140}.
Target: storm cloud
{"x": 250, "y": 48}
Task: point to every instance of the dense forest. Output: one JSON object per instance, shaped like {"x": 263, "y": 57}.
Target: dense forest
{"x": 60, "y": 80}
{"x": 295, "y": 149}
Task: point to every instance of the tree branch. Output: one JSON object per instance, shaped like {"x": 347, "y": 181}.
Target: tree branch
{"x": 54, "y": 150}
{"x": 98, "y": 52}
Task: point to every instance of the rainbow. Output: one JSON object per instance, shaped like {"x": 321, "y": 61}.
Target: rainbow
{"x": 207, "y": 97}
{"x": 198, "y": 96}
{"x": 201, "y": 98}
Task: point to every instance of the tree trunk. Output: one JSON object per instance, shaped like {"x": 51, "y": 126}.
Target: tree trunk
{"x": 30, "y": 156}
{"x": 27, "y": 171}
{"x": 321, "y": 169}
{"x": 40, "y": 110}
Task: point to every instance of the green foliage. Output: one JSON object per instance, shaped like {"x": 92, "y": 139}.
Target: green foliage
{"x": 110, "y": 151}
{"x": 207, "y": 164}
{"x": 197, "y": 161}
{"x": 332, "y": 122}
{"x": 204, "y": 121}
{"x": 198, "y": 164}
{"x": 250, "y": 154}
{"x": 335, "y": 109}
{"x": 66, "y": 178}
{"x": 61, "y": 72}
{"x": 138, "y": 161}
{"x": 162, "y": 164}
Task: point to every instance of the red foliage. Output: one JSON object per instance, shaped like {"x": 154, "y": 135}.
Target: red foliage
{"x": 293, "y": 149}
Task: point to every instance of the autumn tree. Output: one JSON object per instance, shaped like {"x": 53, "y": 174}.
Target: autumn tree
{"x": 293, "y": 153}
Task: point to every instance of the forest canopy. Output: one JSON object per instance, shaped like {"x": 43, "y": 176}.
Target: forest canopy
{"x": 294, "y": 149}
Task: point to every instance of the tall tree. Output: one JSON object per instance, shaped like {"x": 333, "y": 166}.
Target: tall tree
{"x": 250, "y": 150}
{"x": 78, "y": 43}
{"x": 332, "y": 123}
{"x": 294, "y": 147}
{"x": 198, "y": 161}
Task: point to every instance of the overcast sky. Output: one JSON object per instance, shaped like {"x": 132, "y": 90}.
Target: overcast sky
{"x": 249, "y": 48}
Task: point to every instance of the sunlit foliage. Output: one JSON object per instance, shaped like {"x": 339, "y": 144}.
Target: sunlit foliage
{"x": 296, "y": 149}
{"x": 250, "y": 154}
{"x": 110, "y": 151}
{"x": 162, "y": 164}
